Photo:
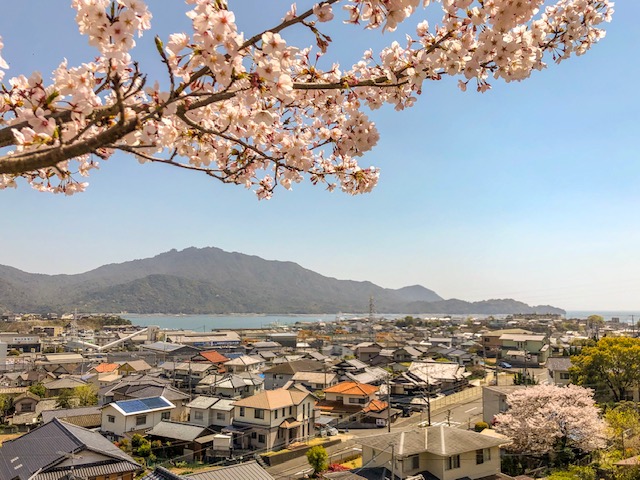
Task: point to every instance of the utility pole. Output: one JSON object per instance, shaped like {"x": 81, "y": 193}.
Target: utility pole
{"x": 389, "y": 404}
{"x": 393, "y": 462}
{"x": 371, "y": 312}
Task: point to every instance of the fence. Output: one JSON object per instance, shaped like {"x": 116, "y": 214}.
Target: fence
{"x": 467, "y": 395}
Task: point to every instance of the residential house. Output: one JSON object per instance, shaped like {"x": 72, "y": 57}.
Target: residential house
{"x": 370, "y": 375}
{"x": 352, "y": 366}
{"x": 230, "y": 385}
{"x": 273, "y": 419}
{"x": 211, "y": 411}
{"x": 25, "y": 403}
{"x": 59, "y": 450}
{"x": 353, "y": 403}
{"x": 365, "y": 351}
{"x": 441, "y": 453}
{"x": 211, "y": 356}
{"x": 279, "y": 375}
{"x": 558, "y": 370}
{"x": 136, "y": 415}
{"x": 407, "y": 354}
{"x": 53, "y": 388}
{"x": 146, "y": 388}
{"x": 87, "y": 417}
{"x": 243, "y": 471}
{"x": 183, "y": 437}
{"x": 524, "y": 349}
{"x": 315, "y": 380}
{"x": 188, "y": 374}
{"x": 494, "y": 400}
{"x": 491, "y": 343}
{"x": 134, "y": 367}
{"x": 245, "y": 363}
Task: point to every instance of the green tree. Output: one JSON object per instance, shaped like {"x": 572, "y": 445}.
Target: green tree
{"x": 65, "y": 398}
{"x": 318, "y": 458}
{"x": 6, "y": 406}
{"x": 574, "y": 473}
{"x": 611, "y": 366}
{"x": 623, "y": 421}
{"x": 38, "y": 389}
{"x": 87, "y": 395}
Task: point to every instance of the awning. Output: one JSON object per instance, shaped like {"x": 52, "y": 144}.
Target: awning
{"x": 290, "y": 423}
{"x": 323, "y": 420}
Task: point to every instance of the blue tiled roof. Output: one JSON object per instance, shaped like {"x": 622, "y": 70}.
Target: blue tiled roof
{"x": 139, "y": 405}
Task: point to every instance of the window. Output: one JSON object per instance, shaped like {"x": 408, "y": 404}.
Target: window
{"x": 198, "y": 415}
{"x": 565, "y": 376}
{"x": 219, "y": 416}
{"x": 290, "y": 410}
{"x": 254, "y": 435}
{"x": 415, "y": 462}
{"x": 361, "y": 401}
{"x": 165, "y": 416}
{"x": 483, "y": 455}
{"x": 258, "y": 413}
{"x": 487, "y": 339}
{"x": 275, "y": 412}
{"x": 242, "y": 411}
{"x": 452, "y": 462}
{"x": 111, "y": 419}
{"x": 283, "y": 412}
{"x": 261, "y": 438}
{"x": 141, "y": 420}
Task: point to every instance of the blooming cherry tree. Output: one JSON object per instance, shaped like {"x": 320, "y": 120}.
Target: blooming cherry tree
{"x": 254, "y": 110}
{"x": 548, "y": 418}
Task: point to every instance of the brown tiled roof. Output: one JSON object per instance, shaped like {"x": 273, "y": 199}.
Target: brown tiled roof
{"x": 106, "y": 367}
{"x": 328, "y": 406}
{"x": 272, "y": 399}
{"x": 376, "y": 406}
{"x": 214, "y": 357}
{"x": 352, "y": 388}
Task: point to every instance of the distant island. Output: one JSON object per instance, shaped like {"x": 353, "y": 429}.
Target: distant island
{"x": 212, "y": 281}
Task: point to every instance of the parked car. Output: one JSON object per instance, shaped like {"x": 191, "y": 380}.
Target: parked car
{"x": 504, "y": 365}
{"x": 332, "y": 432}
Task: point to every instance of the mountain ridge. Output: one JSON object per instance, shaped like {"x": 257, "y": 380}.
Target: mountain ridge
{"x": 211, "y": 280}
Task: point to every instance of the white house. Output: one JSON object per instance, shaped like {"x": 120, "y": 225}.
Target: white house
{"x": 444, "y": 453}
{"x": 211, "y": 411}
{"x": 132, "y": 415}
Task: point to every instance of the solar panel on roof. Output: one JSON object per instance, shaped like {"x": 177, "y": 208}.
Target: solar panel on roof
{"x": 157, "y": 402}
{"x": 142, "y": 404}
{"x": 130, "y": 406}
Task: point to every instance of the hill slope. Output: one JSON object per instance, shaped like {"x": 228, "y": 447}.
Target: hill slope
{"x": 210, "y": 280}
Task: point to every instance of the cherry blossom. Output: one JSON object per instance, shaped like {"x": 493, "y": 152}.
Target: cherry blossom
{"x": 545, "y": 418}
{"x": 254, "y": 110}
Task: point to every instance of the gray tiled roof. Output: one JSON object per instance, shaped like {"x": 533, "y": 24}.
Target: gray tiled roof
{"x": 440, "y": 440}
{"x": 243, "y": 471}
{"x": 41, "y": 449}
{"x": 178, "y": 431}
{"x": 560, "y": 364}
{"x": 79, "y": 472}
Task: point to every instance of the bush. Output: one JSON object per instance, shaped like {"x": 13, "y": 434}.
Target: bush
{"x": 479, "y": 426}
{"x": 318, "y": 458}
{"x": 144, "y": 450}
{"x": 137, "y": 440}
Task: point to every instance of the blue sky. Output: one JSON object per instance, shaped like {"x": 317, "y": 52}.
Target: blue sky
{"x": 529, "y": 191}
